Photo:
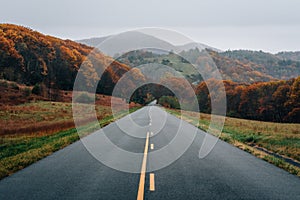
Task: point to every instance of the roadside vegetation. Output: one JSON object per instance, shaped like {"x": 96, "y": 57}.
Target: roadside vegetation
{"x": 32, "y": 131}
{"x": 277, "y": 143}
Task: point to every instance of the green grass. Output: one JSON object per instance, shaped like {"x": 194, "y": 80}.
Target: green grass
{"x": 282, "y": 164}
{"x": 19, "y": 151}
{"x": 185, "y": 69}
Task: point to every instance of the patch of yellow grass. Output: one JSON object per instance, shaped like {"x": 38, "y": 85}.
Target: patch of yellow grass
{"x": 281, "y": 138}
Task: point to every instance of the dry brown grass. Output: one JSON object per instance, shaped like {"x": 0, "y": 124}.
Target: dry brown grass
{"x": 280, "y": 138}
{"x": 45, "y": 117}
{"x": 31, "y": 131}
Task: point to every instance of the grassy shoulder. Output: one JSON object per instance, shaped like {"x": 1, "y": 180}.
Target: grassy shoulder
{"x": 20, "y": 150}
{"x": 273, "y": 142}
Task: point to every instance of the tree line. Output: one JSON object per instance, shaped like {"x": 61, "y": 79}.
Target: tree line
{"x": 277, "y": 101}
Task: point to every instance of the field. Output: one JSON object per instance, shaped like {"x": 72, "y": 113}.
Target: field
{"x": 277, "y": 143}
{"x": 31, "y": 131}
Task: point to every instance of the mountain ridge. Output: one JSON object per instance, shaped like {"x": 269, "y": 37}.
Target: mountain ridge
{"x": 143, "y": 39}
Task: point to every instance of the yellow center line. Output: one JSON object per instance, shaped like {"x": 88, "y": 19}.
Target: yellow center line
{"x": 152, "y": 146}
{"x": 152, "y": 184}
{"x": 140, "y": 195}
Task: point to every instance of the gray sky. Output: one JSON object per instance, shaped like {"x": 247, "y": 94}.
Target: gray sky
{"x": 269, "y": 25}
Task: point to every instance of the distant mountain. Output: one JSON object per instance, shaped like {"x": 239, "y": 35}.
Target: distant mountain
{"x": 92, "y": 41}
{"x": 29, "y": 57}
{"x": 289, "y": 55}
{"x": 238, "y": 65}
{"x": 194, "y": 45}
{"x": 128, "y": 41}
{"x": 133, "y": 40}
{"x": 267, "y": 63}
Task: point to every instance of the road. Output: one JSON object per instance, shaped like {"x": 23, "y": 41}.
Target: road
{"x": 226, "y": 173}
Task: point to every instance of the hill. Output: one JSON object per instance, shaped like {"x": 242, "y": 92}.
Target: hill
{"x": 133, "y": 40}
{"x": 238, "y": 65}
{"x": 230, "y": 69}
{"x": 289, "y": 55}
{"x": 241, "y": 71}
{"x": 124, "y": 42}
{"x": 194, "y": 45}
{"x": 140, "y": 57}
{"x": 31, "y": 58}
{"x": 273, "y": 65}
{"x": 93, "y": 42}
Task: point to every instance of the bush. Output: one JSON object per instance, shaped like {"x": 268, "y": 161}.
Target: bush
{"x": 169, "y": 101}
{"x": 247, "y": 138}
{"x": 36, "y": 89}
{"x": 27, "y": 92}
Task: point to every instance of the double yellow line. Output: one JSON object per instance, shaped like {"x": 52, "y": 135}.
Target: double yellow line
{"x": 141, "y": 190}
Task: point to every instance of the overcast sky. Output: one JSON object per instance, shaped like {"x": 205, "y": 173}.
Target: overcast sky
{"x": 269, "y": 25}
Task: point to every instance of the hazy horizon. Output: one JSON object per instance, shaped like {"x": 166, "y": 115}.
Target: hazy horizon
{"x": 271, "y": 26}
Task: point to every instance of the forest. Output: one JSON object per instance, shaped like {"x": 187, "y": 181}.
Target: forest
{"x": 31, "y": 58}
{"x": 277, "y": 101}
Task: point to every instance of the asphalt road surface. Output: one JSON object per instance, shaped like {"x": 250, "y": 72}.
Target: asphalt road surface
{"x": 226, "y": 173}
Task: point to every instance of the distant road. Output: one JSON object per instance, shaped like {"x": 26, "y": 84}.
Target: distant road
{"x": 153, "y": 103}
{"x": 226, "y": 173}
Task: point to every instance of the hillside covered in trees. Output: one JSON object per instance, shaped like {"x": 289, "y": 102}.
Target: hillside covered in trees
{"x": 277, "y": 101}
{"x": 258, "y": 85}
{"x": 289, "y": 55}
{"x": 279, "y": 66}
{"x": 239, "y": 66}
{"x": 31, "y": 58}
